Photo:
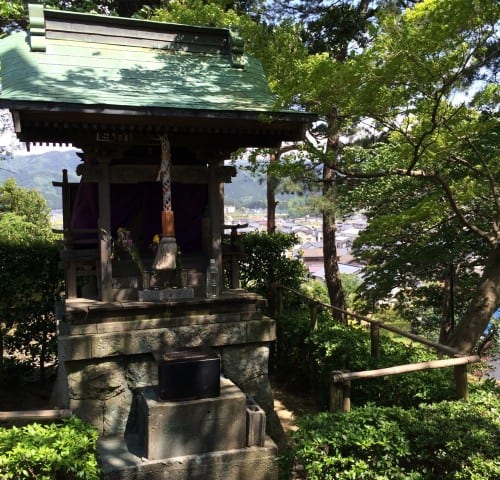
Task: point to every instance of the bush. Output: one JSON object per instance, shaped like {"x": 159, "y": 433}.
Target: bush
{"x": 291, "y": 361}
{"x": 63, "y": 451}
{"x": 293, "y": 347}
{"x": 29, "y": 279}
{"x": 266, "y": 261}
{"x": 451, "y": 440}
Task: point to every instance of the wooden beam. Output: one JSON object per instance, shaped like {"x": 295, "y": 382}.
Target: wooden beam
{"x": 192, "y": 174}
{"x": 216, "y": 211}
{"x": 34, "y": 415}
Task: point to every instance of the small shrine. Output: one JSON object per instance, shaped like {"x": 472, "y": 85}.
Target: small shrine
{"x": 155, "y": 109}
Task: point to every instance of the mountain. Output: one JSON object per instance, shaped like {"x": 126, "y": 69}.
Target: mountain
{"x": 39, "y": 170}
{"x": 245, "y": 190}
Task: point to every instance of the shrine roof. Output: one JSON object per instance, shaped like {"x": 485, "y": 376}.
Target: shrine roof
{"x": 79, "y": 78}
{"x": 76, "y": 58}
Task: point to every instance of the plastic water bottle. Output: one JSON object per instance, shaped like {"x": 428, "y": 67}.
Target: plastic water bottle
{"x": 212, "y": 280}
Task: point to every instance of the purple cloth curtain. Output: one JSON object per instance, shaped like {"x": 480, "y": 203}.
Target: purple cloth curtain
{"x": 138, "y": 207}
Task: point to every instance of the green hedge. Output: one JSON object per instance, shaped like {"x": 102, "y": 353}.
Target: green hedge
{"x": 305, "y": 360}
{"x": 29, "y": 279}
{"x": 62, "y": 451}
{"x": 448, "y": 441}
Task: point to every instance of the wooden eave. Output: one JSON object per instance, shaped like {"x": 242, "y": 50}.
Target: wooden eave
{"x": 86, "y": 124}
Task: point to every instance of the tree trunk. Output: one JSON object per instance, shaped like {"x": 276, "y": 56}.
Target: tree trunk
{"x": 480, "y": 310}
{"x": 332, "y": 273}
{"x": 448, "y": 316}
{"x": 272, "y": 185}
{"x": 1, "y": 351}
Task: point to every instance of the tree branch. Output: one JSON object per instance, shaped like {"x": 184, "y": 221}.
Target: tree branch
{"x": 433, "y": 177}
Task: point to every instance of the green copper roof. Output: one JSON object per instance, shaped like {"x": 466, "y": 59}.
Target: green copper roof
{"x": 95, "y": 60}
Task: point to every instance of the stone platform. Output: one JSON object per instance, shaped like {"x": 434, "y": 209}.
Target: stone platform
{"x": 204, "y": 439}
{"x": 106, "y": 357}
{"x": 105, "y": 351}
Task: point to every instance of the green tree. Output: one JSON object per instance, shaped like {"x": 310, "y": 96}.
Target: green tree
{"x": 331, "y": 33}
{"x": 428, "y": 84}
{"x": 24, "y": 214}
{"x": 29, "y": 274}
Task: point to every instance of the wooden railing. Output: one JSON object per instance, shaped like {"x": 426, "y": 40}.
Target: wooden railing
{"x": 233, "y": 254}
{"x": 340, "y": 399}
{"x": 21, "y": 417}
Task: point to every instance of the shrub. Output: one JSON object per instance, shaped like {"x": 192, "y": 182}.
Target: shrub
{"x": 451, "y": 440}
{"x": 267, "y": 261}
{"x": 63, "y": 451}
{"x": 293, "y": 360}
{"x": 292, "y": 357}
{"x": 29, "y": 279}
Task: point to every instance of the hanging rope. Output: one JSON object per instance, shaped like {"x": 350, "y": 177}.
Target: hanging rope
{"x": 165, "y": 174}
{"x": 166, "y": 253}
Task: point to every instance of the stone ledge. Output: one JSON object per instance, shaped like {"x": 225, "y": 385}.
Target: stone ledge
{"x": 100, "y": 345}
{"x": 82, "y": 311}
{"x": 150, "y": 323}
{"x": 120, "y": 462}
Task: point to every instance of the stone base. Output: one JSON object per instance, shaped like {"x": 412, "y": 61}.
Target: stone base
{"x": 121, "y": 460}
{"x": 172, "y": 429}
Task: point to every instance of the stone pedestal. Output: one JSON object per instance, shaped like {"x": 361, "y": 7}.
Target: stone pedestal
{"x": 220, "y": 438}
{"x": 106, "y": 357}
{"x": 172, "y": 429}
{"x": 106, "y": 350}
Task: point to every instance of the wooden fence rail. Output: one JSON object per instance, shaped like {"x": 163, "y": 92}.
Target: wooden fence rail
{"x": 340, "y": 398}
{"x": 35, "y": 415}
{"x": 340, "y": 381}
{"x": 374, "y": 324}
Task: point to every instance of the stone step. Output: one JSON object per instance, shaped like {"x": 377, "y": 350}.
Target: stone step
{"x": 120, "y": 460}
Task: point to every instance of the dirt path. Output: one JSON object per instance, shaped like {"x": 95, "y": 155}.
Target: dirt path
{"x": 289, "y": 406}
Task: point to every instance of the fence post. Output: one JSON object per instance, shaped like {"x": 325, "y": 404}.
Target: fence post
{"x": 313, "y": 309}
{"x": 375, "y": 340}
{"x": 340, "y": 394}
{"x": 272, "y": 289}
{"x": 279, "y": 300}
{"x": 460, "y": 372}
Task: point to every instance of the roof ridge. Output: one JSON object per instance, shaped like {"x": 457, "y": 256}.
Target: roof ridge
{"x": 48, "y": 23}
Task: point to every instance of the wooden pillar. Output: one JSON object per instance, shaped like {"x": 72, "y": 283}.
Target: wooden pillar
{"x": 313, "y": 310}
{"x": 69, "y": 264}
{"x": 104, "y": 227}
{"x": 66, "y": 204}
{"x": 216, "y": 212}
